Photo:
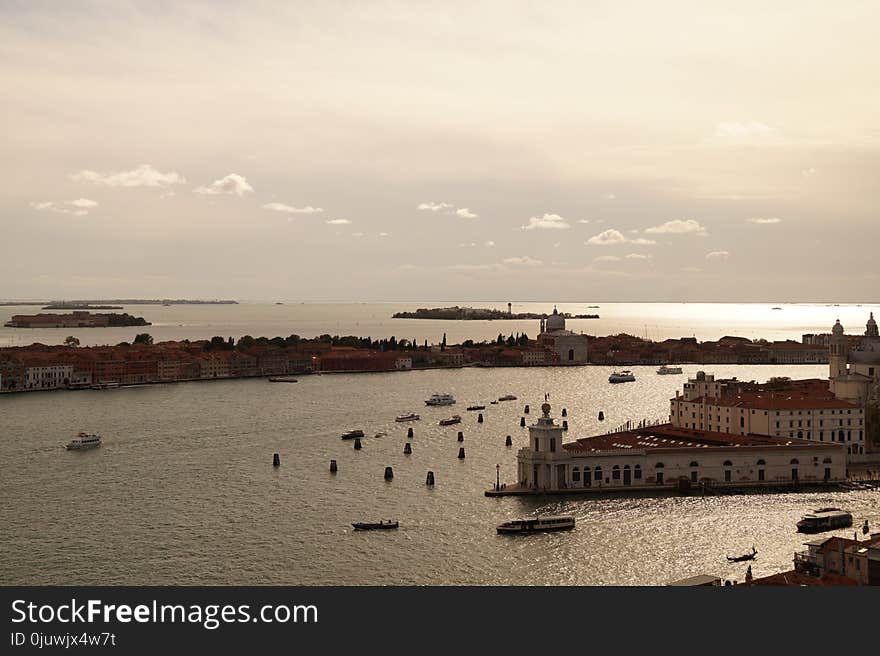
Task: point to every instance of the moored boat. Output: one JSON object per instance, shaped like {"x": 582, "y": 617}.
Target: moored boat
{"x": 625, "y": 376}
{"x": 412, "y": 416}
{"x": 373, "y": 526}
{"x": 476, "y": 407}
{"x": 538, "y": 524}
{"x": 507, "y": 397}
{"x": 84, "y": 441}
{"x": 350, "y": 435}
{"x": 455, "y": 419}
{"x": 824, "y": 519}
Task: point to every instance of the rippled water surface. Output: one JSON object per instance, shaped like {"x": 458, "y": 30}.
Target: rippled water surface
{"x": 183, "y": 490}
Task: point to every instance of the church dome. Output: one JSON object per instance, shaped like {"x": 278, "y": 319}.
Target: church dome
{"x": 837, "y": 329}
{"x": 555, "y": 322}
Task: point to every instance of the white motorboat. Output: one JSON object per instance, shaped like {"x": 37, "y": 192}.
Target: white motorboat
{"x": 666, "y": 370}
{"x": 412, "y": 416}
{"x": 440, "y": 399}
{"x": 84, "y": 441}
{"x": 625, "y": 376}
{"x": 537, "y": 524}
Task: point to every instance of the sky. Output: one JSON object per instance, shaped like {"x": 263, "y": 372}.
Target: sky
{"x": 358, "y": 151}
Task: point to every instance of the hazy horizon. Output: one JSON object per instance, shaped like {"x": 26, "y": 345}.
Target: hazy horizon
{"x": 331, "y": 152}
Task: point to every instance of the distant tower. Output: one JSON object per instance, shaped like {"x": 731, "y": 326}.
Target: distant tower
{"x": 509, "y": 309}
{"x": 838, "y": 352}
{"x": 871, "y": 328}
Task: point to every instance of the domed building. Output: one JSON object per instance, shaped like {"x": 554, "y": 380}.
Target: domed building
{"x": 568, "y": 347}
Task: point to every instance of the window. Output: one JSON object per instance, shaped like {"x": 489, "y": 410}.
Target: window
{"x": 615, "y": 473}
{"x": 576, "y": 474}
{"x": 637, "y": 472}
{"x": 552, "y": 445}
{"x": 695, "y": 464}
{"x": 727, "y": 463}
{"x": 659, "y": 465}
{"x": 537, "y": 442}
{"x": 794, "y": 461}
{"x": 727, "y": 476}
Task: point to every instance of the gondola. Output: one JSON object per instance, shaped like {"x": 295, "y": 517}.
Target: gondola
{"x": 747, "y": 556}
{"x": 373, "y": 526}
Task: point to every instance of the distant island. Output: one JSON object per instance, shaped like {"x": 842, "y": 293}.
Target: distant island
{"x": 143, "y": 301}
{"x": 77, "y": 319}
{"x": 479, "y": 314}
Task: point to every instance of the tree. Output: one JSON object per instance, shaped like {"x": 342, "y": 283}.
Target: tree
{"x": 144, "y": 338}
{"x": 71, "y": 341}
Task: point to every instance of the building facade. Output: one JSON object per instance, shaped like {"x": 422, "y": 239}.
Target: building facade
{"x": 569, "y": 348}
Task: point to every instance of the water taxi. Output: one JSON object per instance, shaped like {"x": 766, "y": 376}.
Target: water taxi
{"x": 666, "y": 370}
{"x": 455, "y": 419}
{"x": 350, "y": 435}
{"x": 622, "y": 377}
{"x": 440, "y": 399}
{"x": 84, "y": 441}
{"x": 824, "y": 519}
{"x": 373, "y": 526}
{"x": 412, "y": 416}
{"x": 538, "y": 524}
{"x": 507, "y": 397}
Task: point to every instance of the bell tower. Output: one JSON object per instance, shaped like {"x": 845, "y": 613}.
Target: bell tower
{"x": 838, "y": 352}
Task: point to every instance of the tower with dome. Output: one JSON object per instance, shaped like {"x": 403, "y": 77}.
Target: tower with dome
{"x": 569, "y": 348}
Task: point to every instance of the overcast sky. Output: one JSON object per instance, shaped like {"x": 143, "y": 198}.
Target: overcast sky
{"x": 465, "y": 151}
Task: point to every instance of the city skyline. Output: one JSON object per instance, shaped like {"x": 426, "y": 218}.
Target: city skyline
{"x": 625, "y": 152}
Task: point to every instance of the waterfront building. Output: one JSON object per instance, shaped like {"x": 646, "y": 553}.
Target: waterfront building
{"x": 804, "y": 409}
{"x": 856, "y": 559}
{"x": 569, "y": 348}
{"x": 855, "y": 368}
{"x": 43, "y": 375}
{"x": 666, "y": 457}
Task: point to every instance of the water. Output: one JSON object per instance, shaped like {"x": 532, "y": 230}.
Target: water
{"x": 658, "y": 321}
{"x": 183, "y": 490}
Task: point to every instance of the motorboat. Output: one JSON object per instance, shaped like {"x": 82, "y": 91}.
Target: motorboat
{"x": 824, "y": 519}
{"x": 84, "y": 441}
{"x": 666, "y": 370}
{"x": 625, "y": 376}
{"x": 455, "y": 419}
{"x": 507, "y": 397}
{"x": 350, "y": 435}
{"x": 538, "y": 524}
{"x": 440, "y": 399}
{"x": 374, "y": 526}
{"x": 746, "y": 556}
{"x": 412, "y": 416}
{"x": 476, "y": 407}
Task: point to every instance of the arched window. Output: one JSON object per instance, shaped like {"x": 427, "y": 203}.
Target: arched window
{"x": 727, "y": 463}
{"x": 827, "y": 460}
{"x": 627, "y": 466}
{"x": 570, "y": 355}
{"x": 576, "y": 474}
{"x": 637, "y": 472}
{"x": 761, "y": 463}
{"x": 794, "y": 461}
{"x": 615, "y": 472}
{"x": 695, "y": 464}
{"x": 659, "y": 465}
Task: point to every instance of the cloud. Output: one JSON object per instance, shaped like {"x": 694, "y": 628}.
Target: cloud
{"x": 584, "y": 221}
{"x": 609, "y": 196}
{"x": 143, "y": 176}
{"x": 612, "y": 237}
{"x": 338, "y": 222}
{"x": 692, "y": 269}
{"x": 230, "y": 184}
{"x": 808, "y": 173}
{"x": 465, "y": 213}
{"x": 606, "y": 258}
{"x": 468, "y": 245}
{"x": 384, "y": 234}
{"x": 717, "y": 255}
{"x": 78, "y": 207}
{"x": 638, "y": 256}
{"x": 290, "y": 209}
{"x": 524, "y": 261}
{"x": 760, "y": 221}
{"x": 546, "y": 222}
{"x": 743, "y": 130}
{"x": 471, "y": 267}
{"x": 431, "y": 206}
{"x": 357, "y": 234}
{"x": 678, "y": 227}
{"x": 489, "y": 244}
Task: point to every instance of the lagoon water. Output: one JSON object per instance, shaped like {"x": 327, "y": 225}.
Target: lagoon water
{"x": 706, "y": 321}
{"x": 183, "y": 490}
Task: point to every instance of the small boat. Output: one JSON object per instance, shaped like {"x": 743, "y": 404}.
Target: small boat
{"x": 776, "y": 308}
{"x": 455, "y": 419}
{"x": 412, "y": 416}
{"x": 440, "y": 399}
{"x": 350, "y": 435}
{"x": 625, "y": 376}
{"x": 373, "y": 526}
{"x": 84, "y": 441}
{"x": 494, "y": 402}
{"x": 666, "y": 370}
{"x": 507, "y": 397}
{"x": 824, "y": 519}
{"x": 476, "y": 407}
{"x": 282, "y": 379}
{"x": 745, "y": 556}
{"x": 538, "y": 524}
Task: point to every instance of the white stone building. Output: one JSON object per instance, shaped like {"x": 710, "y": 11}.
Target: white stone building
{"x": 664, "y": 457}
{"x": 569, "y": 347}
{"x": 48, "y": 376}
